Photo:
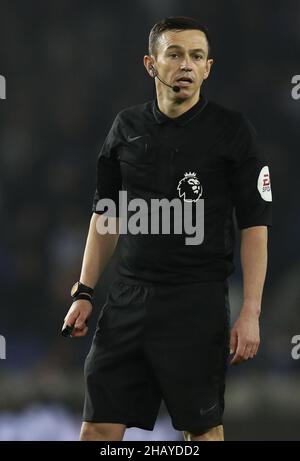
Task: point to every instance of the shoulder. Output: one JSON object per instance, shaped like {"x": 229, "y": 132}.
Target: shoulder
{"x": 230, "y": 120}
{"x": 134, "y": 111}
{"x": 129, "y": 117}
{"x": 229, "y": 117}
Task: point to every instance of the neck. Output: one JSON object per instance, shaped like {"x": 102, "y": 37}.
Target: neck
{"x": 175, "y": 107}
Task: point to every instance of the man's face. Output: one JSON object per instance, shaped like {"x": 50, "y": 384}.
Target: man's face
{"x": 182, "y": 54}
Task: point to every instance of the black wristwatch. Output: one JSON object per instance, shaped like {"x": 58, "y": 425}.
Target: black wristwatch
{"x": 79, "y": 288}
{"x": 83, "y": 296}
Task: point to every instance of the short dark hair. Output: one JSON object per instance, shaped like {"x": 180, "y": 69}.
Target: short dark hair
{"x": 175, "y": 23}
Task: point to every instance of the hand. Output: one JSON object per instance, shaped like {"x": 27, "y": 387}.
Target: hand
{"x": 244, "y": 340}
{"x": 77, "y": 315}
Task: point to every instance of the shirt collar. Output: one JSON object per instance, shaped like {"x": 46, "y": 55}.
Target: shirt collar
{"x": 184, "y": 118}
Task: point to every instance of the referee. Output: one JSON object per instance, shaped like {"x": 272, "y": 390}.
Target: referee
{"x": 164, "y": 330}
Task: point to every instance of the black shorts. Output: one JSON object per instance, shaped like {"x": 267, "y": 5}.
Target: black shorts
{"x": 155, "y": 342}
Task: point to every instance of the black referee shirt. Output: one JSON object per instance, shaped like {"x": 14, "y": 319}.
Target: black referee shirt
{"x": 147, "y": 154}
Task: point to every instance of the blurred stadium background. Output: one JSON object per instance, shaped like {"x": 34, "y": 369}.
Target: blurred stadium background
{"x": 70, "y": 67}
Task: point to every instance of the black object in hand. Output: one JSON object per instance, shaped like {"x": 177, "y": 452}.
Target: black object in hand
{"x": 67, "y": 330}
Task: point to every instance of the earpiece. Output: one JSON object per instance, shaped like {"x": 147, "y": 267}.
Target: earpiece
{"x": 153, "y": 72}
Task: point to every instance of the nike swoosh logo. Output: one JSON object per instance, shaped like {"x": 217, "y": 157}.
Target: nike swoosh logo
{"x": 204, "y": 412}
{"x": 133, "y": 138}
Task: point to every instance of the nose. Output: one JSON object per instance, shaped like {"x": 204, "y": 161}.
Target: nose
{"x": 185, "y": 64}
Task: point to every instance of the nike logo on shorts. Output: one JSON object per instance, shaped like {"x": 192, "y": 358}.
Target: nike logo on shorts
{"x": 204, "y": 412}
{"x": 133, "y": 138}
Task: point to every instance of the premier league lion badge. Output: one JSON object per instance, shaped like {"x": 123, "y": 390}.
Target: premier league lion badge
{"x": 189, "y": 187}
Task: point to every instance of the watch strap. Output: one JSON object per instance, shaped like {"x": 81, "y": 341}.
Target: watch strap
{"x": 83, "y": 296}
{"x": 85, "y": 289}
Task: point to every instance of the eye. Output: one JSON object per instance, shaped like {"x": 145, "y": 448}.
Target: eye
{"x": 198, "y": 56}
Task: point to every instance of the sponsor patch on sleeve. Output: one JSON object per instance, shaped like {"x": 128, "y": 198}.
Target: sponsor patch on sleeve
{"x": 264, "y": 184}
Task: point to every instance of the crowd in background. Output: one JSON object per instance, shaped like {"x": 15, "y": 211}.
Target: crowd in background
{"x": 70, "y": 67}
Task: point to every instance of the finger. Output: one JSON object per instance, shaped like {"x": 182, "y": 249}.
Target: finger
{"x": 239, "y": 348}
{"x": 238, "y": 357}
{"x": 76, "y": 333}
{"x": 70, "y": 319}
{"x": 248, "y": 352}
{"x": 233, "y": 342}
{"x": 80, "y": 322}
{"x": 252, "y": 352}
{"x": 255, "y": 350}
{"x": 67, "y": 324}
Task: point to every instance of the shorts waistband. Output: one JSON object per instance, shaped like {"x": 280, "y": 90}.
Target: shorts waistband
{"x": 141, "y": 282}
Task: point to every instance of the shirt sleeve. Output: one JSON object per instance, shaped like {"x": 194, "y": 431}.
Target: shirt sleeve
{"x": 249, "y": 178}
{"x": 109, "y": 179}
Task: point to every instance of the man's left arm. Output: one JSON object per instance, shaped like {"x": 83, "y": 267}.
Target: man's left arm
{"x": 245, "y": 339}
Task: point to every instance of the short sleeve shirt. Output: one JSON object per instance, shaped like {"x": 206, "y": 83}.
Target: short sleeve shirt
{"x": 208, "y": 154}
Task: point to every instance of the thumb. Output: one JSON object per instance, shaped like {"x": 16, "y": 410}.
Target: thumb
{"x": 233, "y": 341}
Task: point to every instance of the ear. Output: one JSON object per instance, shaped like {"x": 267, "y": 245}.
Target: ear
{"x": 148, "y": 63}
{"x": 209, "y": 63}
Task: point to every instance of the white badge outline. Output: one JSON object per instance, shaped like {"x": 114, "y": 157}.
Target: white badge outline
{"x": 264, "y": 189}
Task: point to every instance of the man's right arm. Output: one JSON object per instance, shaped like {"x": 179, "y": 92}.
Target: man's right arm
{"x": 98, "y": 252}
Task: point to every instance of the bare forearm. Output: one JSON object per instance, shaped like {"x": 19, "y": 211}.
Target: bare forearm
{"x": 254, "y": 256}
{"x": 98, "y": 251}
